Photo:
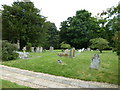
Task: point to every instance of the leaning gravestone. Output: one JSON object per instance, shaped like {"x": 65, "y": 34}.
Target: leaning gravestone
{"x": 95, "y": 62}
{"x": 72, "y": 52}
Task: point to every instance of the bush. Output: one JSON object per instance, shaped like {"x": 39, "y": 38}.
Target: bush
{"x": 8, "y": 51}
{"x": 65, "y": 46}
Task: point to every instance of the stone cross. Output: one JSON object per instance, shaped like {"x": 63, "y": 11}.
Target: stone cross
{"x": 95, "y": 62}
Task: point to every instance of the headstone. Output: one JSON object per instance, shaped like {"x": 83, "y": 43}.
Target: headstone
{"x": 95, "y": 62}
{"x": 88, "y": 49}
{"x": 37, "y": 50}
{"x": 79, "y": 50}
{"x": 72, "y": 52}
{"x": 51, "y": 49}
{"x": 32, "y": 49}
{"x": 67, "y": 52}
{"x": 82, "y": 49}
{"x": 41, "y": 49}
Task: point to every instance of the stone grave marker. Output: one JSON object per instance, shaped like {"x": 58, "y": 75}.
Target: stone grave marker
{"x": 51, "y": 49}
{"x": 41, "y": 49}
{"x": 32, "y": 49}
{"x": 95, "y": 63}
{"x": 37, "y": 50}
{"x": 72, "y": 52}
{"x": 88, "y": 49}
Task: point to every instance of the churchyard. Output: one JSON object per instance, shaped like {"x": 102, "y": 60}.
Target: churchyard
{"x": 78, "y": 66}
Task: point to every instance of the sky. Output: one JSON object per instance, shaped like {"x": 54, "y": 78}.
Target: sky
{"x": 57, "y": 11}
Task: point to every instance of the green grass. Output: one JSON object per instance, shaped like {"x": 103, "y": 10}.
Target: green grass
{"x": 77, "y": 67}
{"x": 8, "y": 84}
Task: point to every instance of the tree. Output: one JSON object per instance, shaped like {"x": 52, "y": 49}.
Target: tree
{"x": 116, "y": 39}
{"x": 79, "y": 29}
{"x": 99, "y": 43}
{"x": 22, "y": 21}
{"x": 52, "y": 35}
{"x": 110, "y": 22}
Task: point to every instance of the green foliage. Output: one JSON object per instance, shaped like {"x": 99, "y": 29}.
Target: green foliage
{"x": 8, "y": 51}
{"x": 52, "y": 35}
{"x": 116, "y": 39}
{"x": 65, "y": 45}
{"x": 109, "y": 20}
{"x": 99, "y": 43}
{"x": 79, "y": 29}
{"x": 22, "y": 21}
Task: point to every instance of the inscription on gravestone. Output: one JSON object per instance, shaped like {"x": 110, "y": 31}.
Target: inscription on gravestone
{"x": 95, "y": 63}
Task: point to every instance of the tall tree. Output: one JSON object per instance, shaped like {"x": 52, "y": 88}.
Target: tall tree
{"x": 52, "y": 35}
{"x": 79, "y": 29}
{"x": 110, "y": 23}
{"x": 22, "y": 21}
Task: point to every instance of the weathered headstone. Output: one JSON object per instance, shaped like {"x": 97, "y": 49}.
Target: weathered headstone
{"x": 95, "y": 62}
{"x": 51, "y": 49}
{"x": 37, "y": 50}
{"x": 88, "y": 49}
{"x": 32, "y": 49}
{"x": 67, "y": 52}
{"x": 72, "y": 52}
{"x": 41, "y": 49}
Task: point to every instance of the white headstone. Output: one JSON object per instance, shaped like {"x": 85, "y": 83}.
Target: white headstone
{"x": 37, "y": 50}
{"x": 32, "y": 49}
{"x": 51, "y": 49}
{"x": 41, "y": 49}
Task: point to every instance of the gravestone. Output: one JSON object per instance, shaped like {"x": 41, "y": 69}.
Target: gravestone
{"x": 32, "y": 49}
{"x": 37, "y": 50}
{"x": 51, "y": 49}
{"x": 82, "y": 49}
{"x": 41, "y": 49}
{"x": 72, "y": 52}
{"x": 95, "y": 62}
{"x": 88, "y": 49}
{"x": 67, "y": 52}
{"x": 79, "y": 50}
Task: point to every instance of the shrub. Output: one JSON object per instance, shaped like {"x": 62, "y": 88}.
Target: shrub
{"x": 8, "y": 51}
{"x": 99, "y": 43}
{"x": 65, "y": 46}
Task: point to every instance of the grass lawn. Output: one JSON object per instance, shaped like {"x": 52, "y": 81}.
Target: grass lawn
{"x": 77, "y": 67}
{"x": 8, "y": 84}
